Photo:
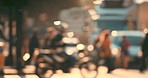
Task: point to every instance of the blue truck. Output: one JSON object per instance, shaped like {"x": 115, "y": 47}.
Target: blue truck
{"x": 114, "y": 14}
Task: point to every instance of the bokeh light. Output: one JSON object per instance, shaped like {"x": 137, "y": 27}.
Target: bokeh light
{"x": 114, "y": 33}
{"x": 80, "y": 46}
{"x": 90, "y": 47}
{"x": 145, "y": 30}
{"x": 57, "y": 22}
{"x": 81, "y": 54}
{"x": 70, "y": 34}
{"x": 26, "y": 56}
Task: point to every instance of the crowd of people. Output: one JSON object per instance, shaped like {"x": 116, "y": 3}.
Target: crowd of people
{"x": 103, "y": 48}
{"x": 53, "y": 40}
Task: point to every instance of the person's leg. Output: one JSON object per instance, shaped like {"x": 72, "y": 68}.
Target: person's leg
{"x": 118, "y": 61}
{"x": 109, "y": 64}
{"x": 143, "y": 64}
{"x": 126, "y": 61}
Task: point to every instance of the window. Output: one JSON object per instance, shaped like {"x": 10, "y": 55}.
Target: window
{"x": 134, "y": 40}
{"x": 116, "y": 3}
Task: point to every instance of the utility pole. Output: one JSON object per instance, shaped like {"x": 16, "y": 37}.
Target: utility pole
{"x": 19, "y": 35}
{"x": 15, "y": 5}
{"x": 10, "y": 57}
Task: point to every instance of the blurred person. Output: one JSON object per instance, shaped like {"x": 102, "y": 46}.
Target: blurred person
{"x": 106, "y": 45}
{"x": 145, "y": 53}
{"x": 33, "y": 43}
{"x": 102, "y": 44}
{"x": 55, "y": 43}
{"x": 104, "y": 51}
{"x": 107, "y": 52}
{"x": 124, "y": 45}
{"x": 2, "y": 57}
{"x": 99, "y": 41}
{"x": 53, "y": 39}
{"x": 83, "y": 36}
{"x": 2, "y": 33}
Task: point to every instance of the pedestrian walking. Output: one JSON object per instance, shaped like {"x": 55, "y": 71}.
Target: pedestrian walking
{"x": 124, "y": 45}
{"x": 53, "y": 39}
{"x": 145, "y": 53}
{"x": 2, "y": 57}
{"x": 33, "y": 43}
{"x": 104, "y": 51}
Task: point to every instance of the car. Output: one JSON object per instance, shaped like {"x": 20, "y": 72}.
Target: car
{"x": 135, "y": 38}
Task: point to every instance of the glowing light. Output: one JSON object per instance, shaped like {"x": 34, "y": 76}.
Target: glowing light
{"x": 140, "y": 53}
{"x": 29, "y": 69}
{"x": 6, "y": 53}
{"x": 10, "y": 71}
{"x": 97, "y": 2}
{"x": 90, "y": 47}
{"x": 70, "y": 52}
{"x": 70, "y": 40}
{"x": 48, "y": 74}
{"x": 10, "y": 76}
{"x": 81, "y": 54}
{"x": 114, "y": 33}
{"x": 92, "y": 12}
{"x": 65, "y": 25}
{"x": 49, "y": 71}
{"x": 66, "y": 40}
{"x": 95, "y": 17}
{"x": 59, "y": 71}
{"x": 115, "y": 51}
{"x": 80, "y": 46}
{"x": 70, "y": 34}
{"x": 2, "y": 43}
{"x": 57, "y": 22}
{"x": 75, "y": 70}
{"x": 26, "y": 56}
{"x": 140, "y": 1}
{"x": 92, "y": 66}
{"x": 31, "y": 76}
{"x": 85, "y": 59}
{"x": 102, "y": 70}
{"x": 75, "y": 40}
{"x": 145, "y": 30}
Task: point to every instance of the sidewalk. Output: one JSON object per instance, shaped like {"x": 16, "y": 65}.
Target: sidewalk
{"x": 27, "y": 72}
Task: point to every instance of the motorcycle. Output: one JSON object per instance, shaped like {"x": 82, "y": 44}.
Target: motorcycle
{"x": 53, "y": 60}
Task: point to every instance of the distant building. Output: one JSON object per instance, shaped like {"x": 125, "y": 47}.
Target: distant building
{"x": 76, "y": 18}
{"x": 143, "y": 17}
{"x": 116, "y": 15}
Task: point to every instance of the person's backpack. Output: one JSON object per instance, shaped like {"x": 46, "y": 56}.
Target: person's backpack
{"x": 125, "y": 45}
